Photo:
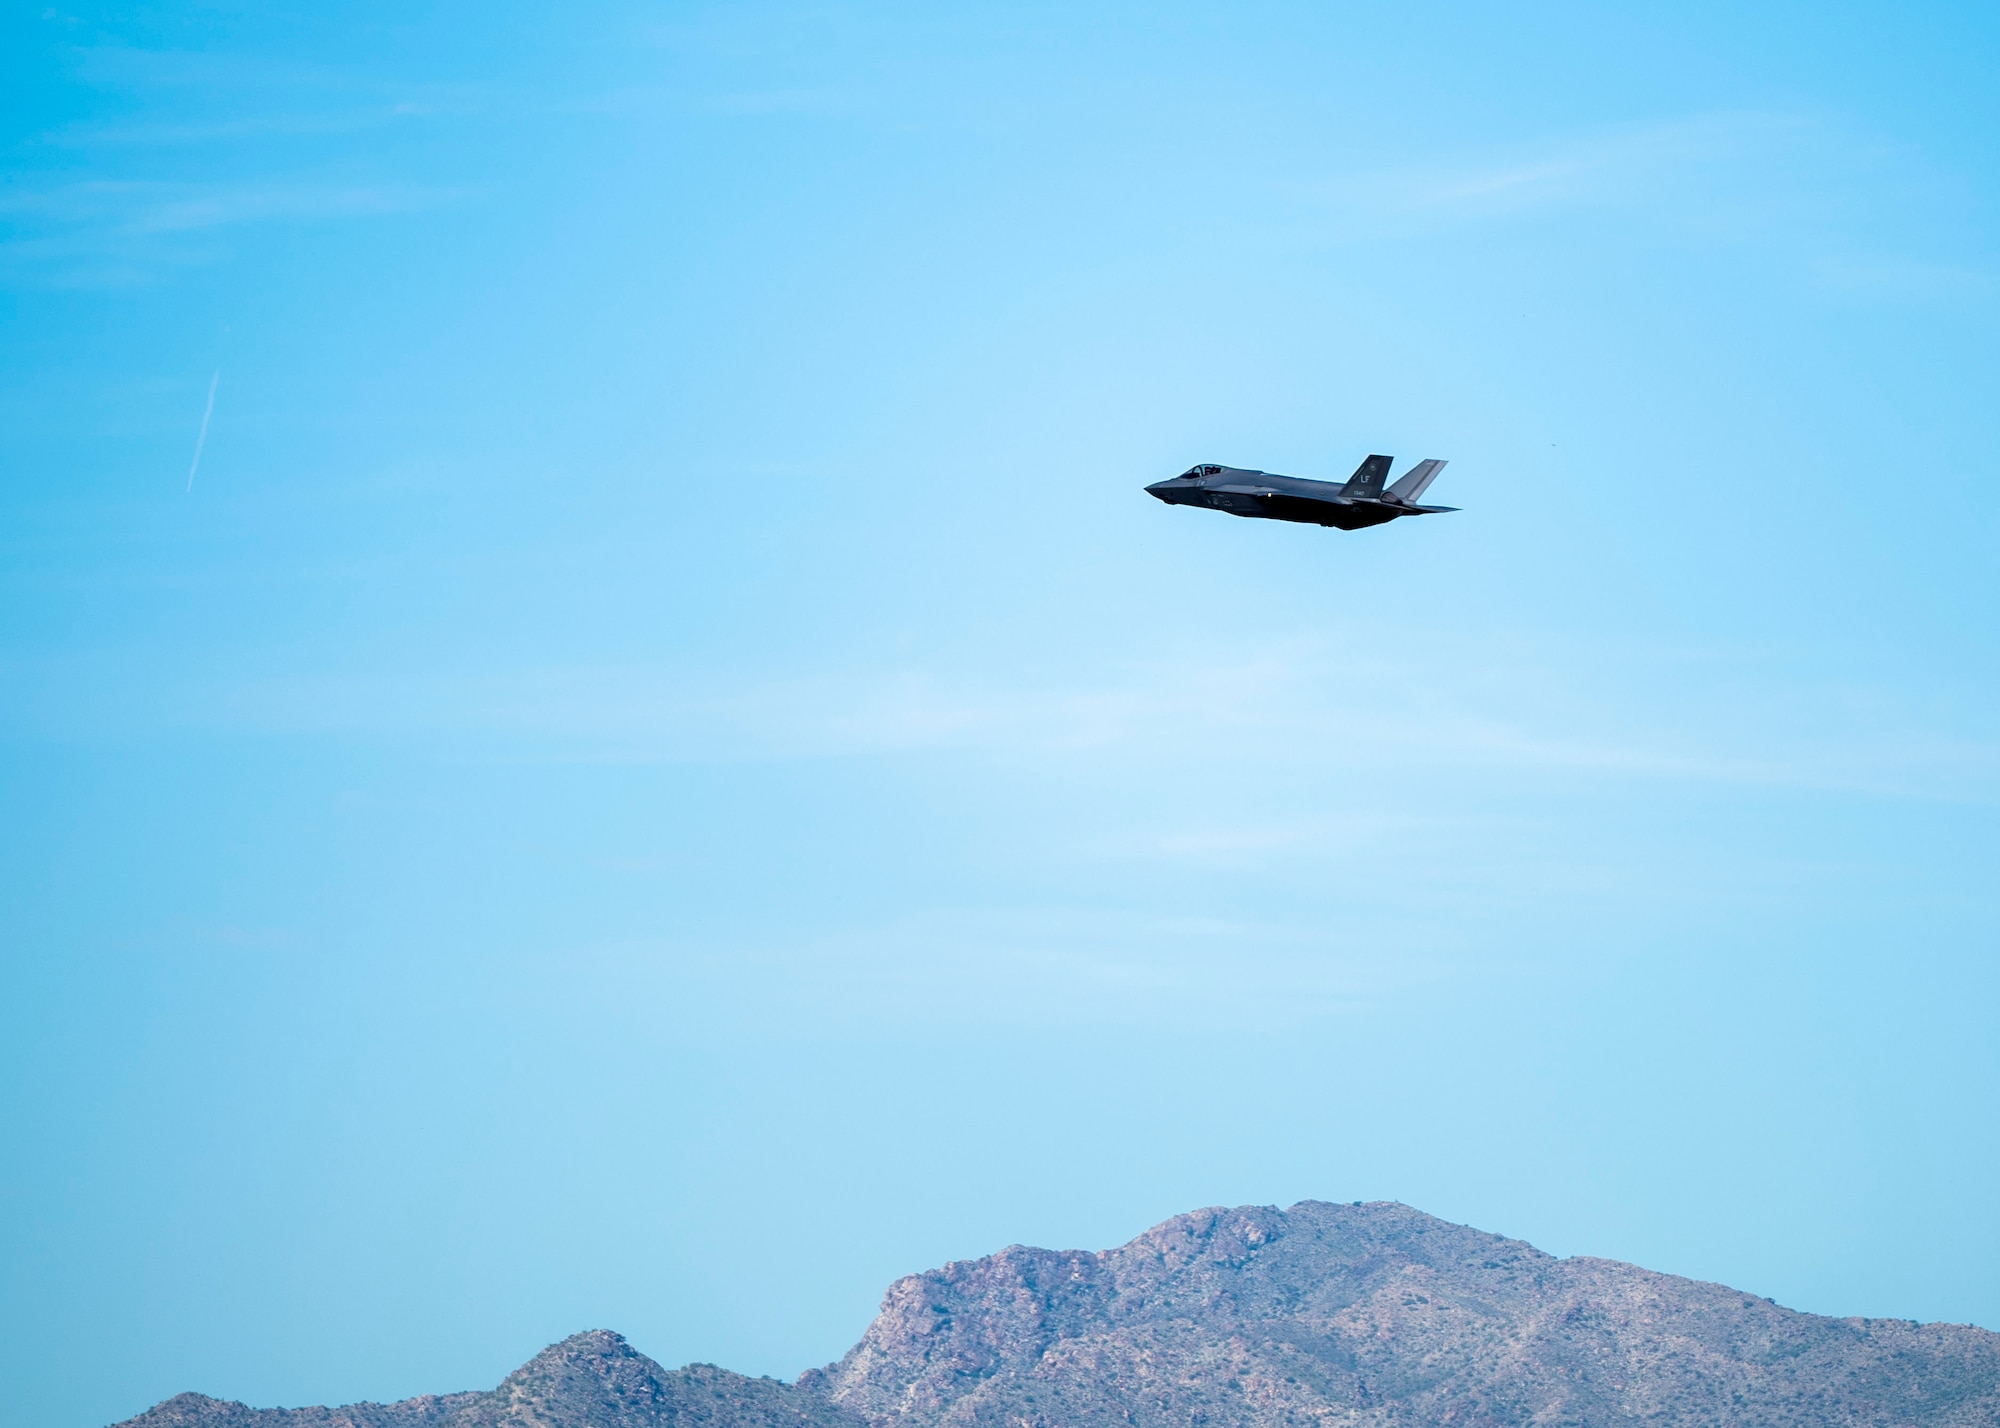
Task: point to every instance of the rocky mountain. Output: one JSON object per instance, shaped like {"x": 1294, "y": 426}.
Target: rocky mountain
{"x": 1378, "y": 1315}
{"x": 592, "y": 1380}
{"x": 1320, "y": 1316}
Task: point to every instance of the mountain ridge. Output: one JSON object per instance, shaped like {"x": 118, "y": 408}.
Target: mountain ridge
{"x": 594, "y": 1378}
{"x": 1317, "y": 1316}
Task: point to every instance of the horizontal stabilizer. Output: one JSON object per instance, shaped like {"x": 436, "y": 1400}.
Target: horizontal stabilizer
{"x": 1366, "y": 482}
{"x": 1415, "y": 481}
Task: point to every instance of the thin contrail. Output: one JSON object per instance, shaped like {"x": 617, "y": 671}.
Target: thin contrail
{"x": 207, "y": 412}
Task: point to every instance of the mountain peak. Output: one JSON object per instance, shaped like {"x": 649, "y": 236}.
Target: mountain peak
{"x": 593, "y": 1377}
{"x": 600, "y": 1343}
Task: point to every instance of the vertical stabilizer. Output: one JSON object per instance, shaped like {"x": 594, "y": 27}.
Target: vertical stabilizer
{"x": 1416, "y": 481}
{"x": 1366, "y": 482}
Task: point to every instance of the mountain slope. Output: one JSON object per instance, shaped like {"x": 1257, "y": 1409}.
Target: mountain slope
{"x": 1320, "y": 1316}
{"x": 1378, "y": 1315}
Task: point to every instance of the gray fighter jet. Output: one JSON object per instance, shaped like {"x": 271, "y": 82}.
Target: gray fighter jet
{"x": 1359, "y": 502}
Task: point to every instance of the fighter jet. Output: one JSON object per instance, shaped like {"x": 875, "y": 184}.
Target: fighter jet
{"x": 1359, "y": 502}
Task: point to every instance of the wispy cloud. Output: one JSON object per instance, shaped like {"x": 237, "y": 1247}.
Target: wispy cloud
{"x": 1905, "y": 278}
{"x": 238, "y": 128}
{"x": 1324, "y": 709}
{"x": 97, "y": 228}
{"x": 224, "y": 205}
{"x": 664, "y": 99}
{"x": 1620, "y": 167}
{"x": 1049, "y": 966}
{"x": 104, "y": 201}
{"x": 1826, "y": 203}
{"x": 1540, "y": 178}
{"x": 211, "y": 97}
{"x": 782, "y": 101}
{"x": 139, "y": 206}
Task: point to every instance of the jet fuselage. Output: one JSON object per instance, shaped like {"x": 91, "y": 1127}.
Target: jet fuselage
{"x": 1264, "y": 495}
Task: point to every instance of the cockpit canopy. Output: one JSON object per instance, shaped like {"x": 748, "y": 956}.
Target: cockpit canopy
{"x": 1194, "y": 471}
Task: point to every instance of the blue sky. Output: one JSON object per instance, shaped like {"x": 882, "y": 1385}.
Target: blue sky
{"x": 661, "y": 772}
